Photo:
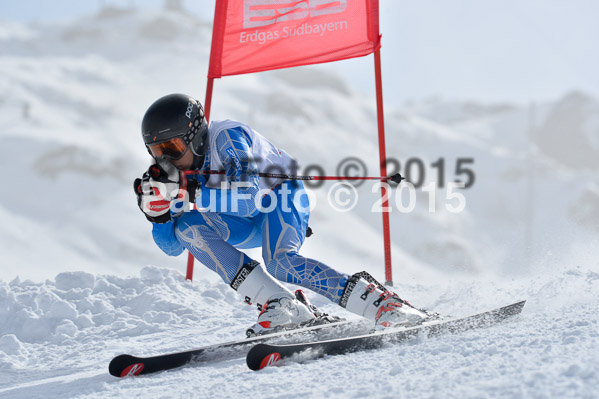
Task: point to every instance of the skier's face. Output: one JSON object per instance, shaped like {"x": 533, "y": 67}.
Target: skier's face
{"x": 185, "y": 162}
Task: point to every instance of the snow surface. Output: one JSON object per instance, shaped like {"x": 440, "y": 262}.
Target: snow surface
{"x": 82, "y": 281}
{"x": 57, "y": 338}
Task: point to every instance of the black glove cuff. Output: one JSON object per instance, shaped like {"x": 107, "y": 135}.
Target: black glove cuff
{"x": 160, "y": 219}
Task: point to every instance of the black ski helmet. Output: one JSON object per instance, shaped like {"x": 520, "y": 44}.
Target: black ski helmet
{"x": 176, "y": 115}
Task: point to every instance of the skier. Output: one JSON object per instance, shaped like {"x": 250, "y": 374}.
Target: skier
{"x": 241, "y": 210}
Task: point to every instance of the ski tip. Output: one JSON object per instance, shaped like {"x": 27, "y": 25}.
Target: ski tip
{"x": 261, "y": 356}
{"x": 513, "y": 309}
{"x": 125, "y": 366}
{"x": 270, "y": 359}
{"x": 520, "y": 304}
{"x": 132, "y": 370}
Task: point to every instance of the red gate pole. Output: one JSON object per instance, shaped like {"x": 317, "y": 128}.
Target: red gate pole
{"x": 207, "y": 103}
{"x": 383, "y": 159}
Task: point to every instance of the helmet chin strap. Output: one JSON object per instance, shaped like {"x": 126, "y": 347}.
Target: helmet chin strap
{"x": 198, "y": 161}
{"x": 199, "y": 154}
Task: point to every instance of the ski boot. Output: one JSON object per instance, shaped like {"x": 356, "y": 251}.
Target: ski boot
{"x": 367, "y": 297}
{"x": 279, "y": 308}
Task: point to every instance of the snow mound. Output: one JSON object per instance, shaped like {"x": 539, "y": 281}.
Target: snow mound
{"x": 79, "y": 306}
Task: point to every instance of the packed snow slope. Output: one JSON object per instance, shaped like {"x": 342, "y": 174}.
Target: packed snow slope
{"x": 57, "y": 338}
{"x": 82, "y": 281}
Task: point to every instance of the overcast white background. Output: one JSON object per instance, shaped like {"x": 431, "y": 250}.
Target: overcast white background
{"x": 489, "y": 50}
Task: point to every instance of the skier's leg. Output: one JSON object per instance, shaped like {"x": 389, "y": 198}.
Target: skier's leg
{"x": 213, "y": 239}
{"x": 284, "y": 231}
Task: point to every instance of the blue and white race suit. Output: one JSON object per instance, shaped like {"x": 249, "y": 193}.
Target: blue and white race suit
{"x": 242, "y": 210}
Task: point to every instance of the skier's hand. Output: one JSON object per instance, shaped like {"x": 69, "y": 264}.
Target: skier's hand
{"x": 178, "y": 187}
{"x": 173, "y": 179}
{"x": 164, "y": 184}
{"x": 151, "y": 199}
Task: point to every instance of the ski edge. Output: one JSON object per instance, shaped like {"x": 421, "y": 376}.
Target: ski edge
{"x": 126, "y": 365}
{"x": 263, "y": 355}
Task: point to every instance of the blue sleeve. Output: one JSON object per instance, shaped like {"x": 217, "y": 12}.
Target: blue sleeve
{"x": 234, "y": 151}
{"x": 164, "y": 237}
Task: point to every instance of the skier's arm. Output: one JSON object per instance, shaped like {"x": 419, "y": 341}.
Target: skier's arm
{"x": 154, "y": 201}
{"x": 164, "y": 237}
{"x": 241, "y": 171}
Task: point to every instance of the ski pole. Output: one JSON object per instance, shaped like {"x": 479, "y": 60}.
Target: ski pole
{"x": 396, "y": 178}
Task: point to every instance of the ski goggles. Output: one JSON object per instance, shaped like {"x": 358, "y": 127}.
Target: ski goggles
{"x": 171, "y": 149}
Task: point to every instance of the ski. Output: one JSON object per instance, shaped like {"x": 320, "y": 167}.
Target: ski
{"x": 263, "y": 354}
{"x": 127, "y": 365}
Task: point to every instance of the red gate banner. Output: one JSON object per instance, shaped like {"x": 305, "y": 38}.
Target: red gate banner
{"x": 260, "y": 35}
